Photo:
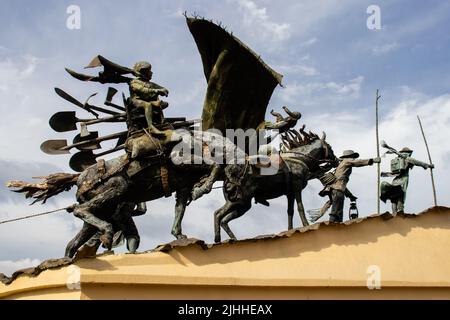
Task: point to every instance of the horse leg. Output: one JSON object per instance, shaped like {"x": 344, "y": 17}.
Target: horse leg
{"x": 290, "y": 210}
{"x": 182, "y": 197}
{"x": 301, "y": 210}
{"x": 240, "y": 211}
{"x": 86, "y": 232}
{"x": 123, "y": 218}
{"x": 218, "y": 215}
{"x": 132, "y": 235}
{"x": 113, "y": 189}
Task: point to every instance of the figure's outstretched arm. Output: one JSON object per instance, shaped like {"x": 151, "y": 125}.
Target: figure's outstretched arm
{"x": 148, "y": 88}
{"x": 418, "y": 163}
{"x": 361, "y": 162}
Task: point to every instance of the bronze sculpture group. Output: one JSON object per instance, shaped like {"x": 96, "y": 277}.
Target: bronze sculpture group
{"x": 110, "y": 193}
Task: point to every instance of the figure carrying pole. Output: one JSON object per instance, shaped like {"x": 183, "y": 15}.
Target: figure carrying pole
{"x": 431, "y": 163}
{"x": 400, "y": 167}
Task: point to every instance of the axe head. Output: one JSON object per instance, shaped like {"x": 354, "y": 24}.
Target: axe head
{"x": 84, "y": 132}
{"x": 109, "y": 96}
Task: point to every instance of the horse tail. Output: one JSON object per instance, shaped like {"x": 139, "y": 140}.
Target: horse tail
{"x": 50, "y": 186}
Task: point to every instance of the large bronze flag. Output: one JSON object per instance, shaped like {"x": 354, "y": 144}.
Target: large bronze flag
{"x": 240, "y": 84}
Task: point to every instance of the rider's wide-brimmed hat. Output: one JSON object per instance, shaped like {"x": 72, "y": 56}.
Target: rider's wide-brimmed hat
{"x": 349, "y": 154}
{"x": 406, "y": 150}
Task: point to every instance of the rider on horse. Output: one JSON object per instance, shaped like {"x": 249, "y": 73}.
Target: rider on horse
{"x": 145, "y": 94}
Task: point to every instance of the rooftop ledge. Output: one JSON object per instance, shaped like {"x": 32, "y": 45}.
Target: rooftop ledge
{"x": 407, "y": 256}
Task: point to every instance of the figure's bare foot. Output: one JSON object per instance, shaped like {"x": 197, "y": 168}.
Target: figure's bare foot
{"x": 198, "y": 192}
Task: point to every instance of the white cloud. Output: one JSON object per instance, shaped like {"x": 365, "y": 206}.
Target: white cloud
{"x": 297, "y": 69}
{"x": 8, "y": 267}
{"x": 309, "y": 42}
{"x": 178, "y": 13}
{"x": 352, "y": 87}
{"x": 13, "y": 72}
{"x": 413, "y": 25}
{"x": 385, "y": 48}
{"x": 27, "y": 103}
{"x": 296, "y": 92}
{"x": 258, "y": 22}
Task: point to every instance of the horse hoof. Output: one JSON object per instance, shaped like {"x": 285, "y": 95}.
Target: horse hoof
{"x": 181, "y": 237}
{"x": 107, "y": 240}
{"x": 132, "y": 244}
{"x": 217, "y": 239}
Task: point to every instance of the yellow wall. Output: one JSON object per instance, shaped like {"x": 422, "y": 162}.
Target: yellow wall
{"x": 330, "y": 262}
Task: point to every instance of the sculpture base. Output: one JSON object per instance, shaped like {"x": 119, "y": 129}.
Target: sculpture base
{"x": 406, "y": 256}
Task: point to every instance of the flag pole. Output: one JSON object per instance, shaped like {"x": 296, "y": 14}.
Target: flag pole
{"x": 429, "y": 158}
{"x": 378, "y": 151}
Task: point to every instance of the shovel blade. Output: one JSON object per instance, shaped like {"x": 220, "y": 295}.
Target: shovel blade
{"x": 54, "y": 147}
{"x": 88, "y": 146}
{"x": 63, "y": 121}
{"x": 80, "y": 161}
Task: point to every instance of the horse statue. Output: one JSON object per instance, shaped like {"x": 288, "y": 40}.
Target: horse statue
{"x": 306, "y": 157}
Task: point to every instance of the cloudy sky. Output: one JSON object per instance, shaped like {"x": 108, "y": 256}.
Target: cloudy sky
{"x": 331, "y": 62}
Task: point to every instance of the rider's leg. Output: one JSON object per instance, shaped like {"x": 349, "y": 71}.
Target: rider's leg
{"x": 149, "y": 117}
